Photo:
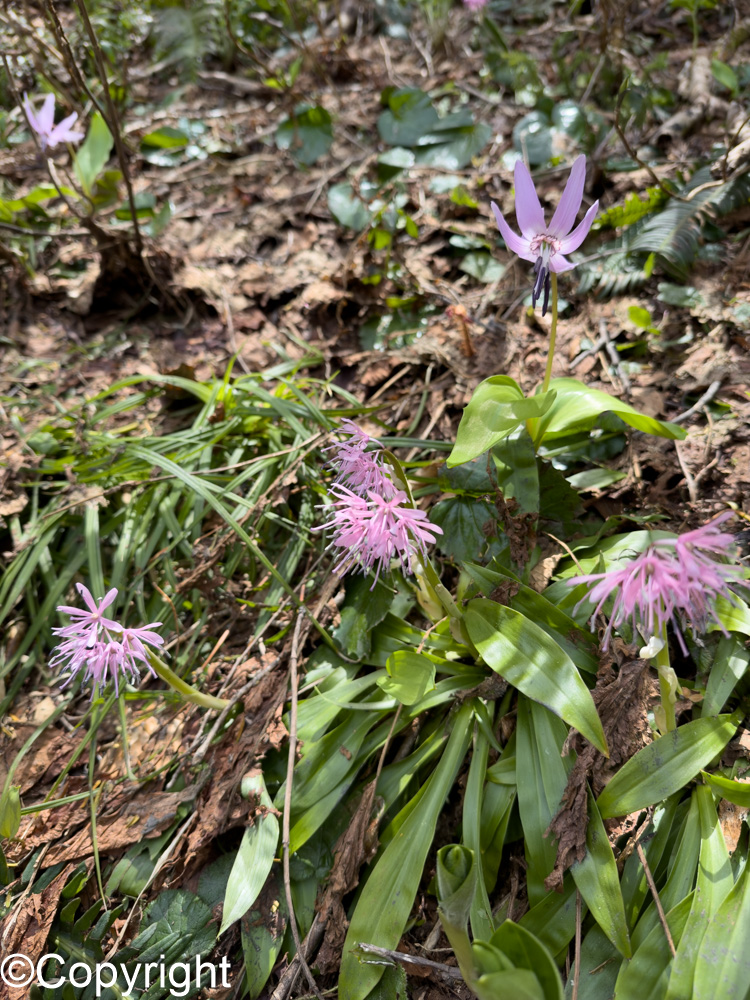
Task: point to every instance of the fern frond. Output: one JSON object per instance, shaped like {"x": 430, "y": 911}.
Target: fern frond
{"x": 673, "y": 235}
{"x": 635, "y": 207}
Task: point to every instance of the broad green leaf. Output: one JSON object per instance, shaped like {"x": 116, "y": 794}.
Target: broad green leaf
{"x": 729, "y": 667}
{"x": 600, "y": 965}
{"x": 575, "y": 641}
{"x": 725, "y": 75}
{"x": 382, "y": 910}
{"x": 666, "y": 765}
{"x": 453, "y": 148}
{"x": 482, "y": 924}
{"x": 737, "y": 792}
{"x": 646, "y": 975}
{"x": 409, "y": 116}
{"x": 521, "y": 984}
{"x": 10, "y": 811}
{"x": 540, "y": 736}
{"x": 517, "y": 470}
{"x": 165, "y": 137}
{"x": 598, "y": 882}
{"x": 410, "y": 676}
{"x": 251, "y": 867}
{"x": 722, "y": 971}
{"x": 347, "y": 207}
{"x": 482, "y": 266}
{"x": 553, "y": 918}
{"x": 733, "y": 615}
{"x": 714, "y": 882}
{"x": 364, "y": 608}
{"x": 262, "y": 936}
{"x": 527, "y": 952}
{"x": 524, "y": 654}
{"x": 93, "y": 153}
{"x": 577, "y": 407}
{"x": 463, "y": 520}
{"x": 307, "y": 134}
{"x": 496, "y": 408}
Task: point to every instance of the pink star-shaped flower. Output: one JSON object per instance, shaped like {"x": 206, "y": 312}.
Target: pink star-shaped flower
{"x": 43, "y": 123}
{"x": 546, "y": 245}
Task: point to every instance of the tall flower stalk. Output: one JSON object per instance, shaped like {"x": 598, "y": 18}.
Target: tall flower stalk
{"x": 545, "y": 245}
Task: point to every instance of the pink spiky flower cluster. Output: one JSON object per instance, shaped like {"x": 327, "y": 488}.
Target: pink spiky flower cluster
{"x": 101, "y": 647}
{"x": 675, "y": 580}
{"x": 372, "y": 521}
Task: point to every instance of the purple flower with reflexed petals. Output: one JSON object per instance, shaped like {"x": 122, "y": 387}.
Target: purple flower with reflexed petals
{"x": 101, "y": 647}
{"x": 675, "y": 580}
{"x": 43, "y": 123}
{"x": 475, "y": 4}
{"x": 374, "y": 530}
{"x": 357, "y": 468}
{"x": 545, "y": 245}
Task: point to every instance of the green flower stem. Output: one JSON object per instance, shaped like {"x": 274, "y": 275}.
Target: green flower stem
{"x": 184, "y": 689}
{"x": 666, "y": 689}
{"x": 552, "y": 333}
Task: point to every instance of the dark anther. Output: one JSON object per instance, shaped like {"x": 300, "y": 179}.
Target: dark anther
{"x": 542, "y": 282}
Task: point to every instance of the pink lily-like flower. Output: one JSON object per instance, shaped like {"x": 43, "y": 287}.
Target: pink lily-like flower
{"x": 475, "y": 4}
{"x": 545, "y": 245}
{"x": 43, "y": 123}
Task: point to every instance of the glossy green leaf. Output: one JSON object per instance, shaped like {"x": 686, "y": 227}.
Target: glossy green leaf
{"x": 93, "y": 153}
{"x": 262, "y": 937}
{"x": 553, "y": 918}
{"x": 737, "y": 792}
{"x": 666, "y": 765}
{"x": 386, "y": 900}
{"x": 600, "y": 965}
{"x": 410, "y": 676}
{"x": 521, "y": 984}
{"x": 496, "y": 408}
{"x": 646, "y": 975}
{"x": 409, "y": 116}
{"x": 253, "y": 862}
{"x": 598, "y": 881}
{"x": 577, "y": 407}
{"x": 722, "y": 971}
{"x": 728, "y": 668}
{"x": 540, "y": 736}
{"x": 527, "y": 952}
{"x": 307, "y": 134}
{"x": 10, "y": 811}
{"x": 524, "y": 654}
{"x": 482, "y": 924}
{"x": 714, "y": 882}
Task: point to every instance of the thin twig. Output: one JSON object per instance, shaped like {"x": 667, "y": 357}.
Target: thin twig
{"x": 449, "y": 971}
{"x": 114, "y": 122}
{"x": 286, "y": 819}
{"x": 655, "y": 894}
{"x": 707, "y": 396}
{"x": 634, "y": 156}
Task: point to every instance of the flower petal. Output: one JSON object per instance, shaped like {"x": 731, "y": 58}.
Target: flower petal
{"x": 62, "y": 132}
{"x": 558, "y": 263}
{"x": 87, "y": 596}
{"x": 581, "y": 231}
{"x": 47, "y": 115}
{"x": 528, "y": 210}
{"x": 513, "y": 242}
{"x": 108, "y": 598}
{"x": 28, "y": 107}
{"x": 567, "y": 210}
